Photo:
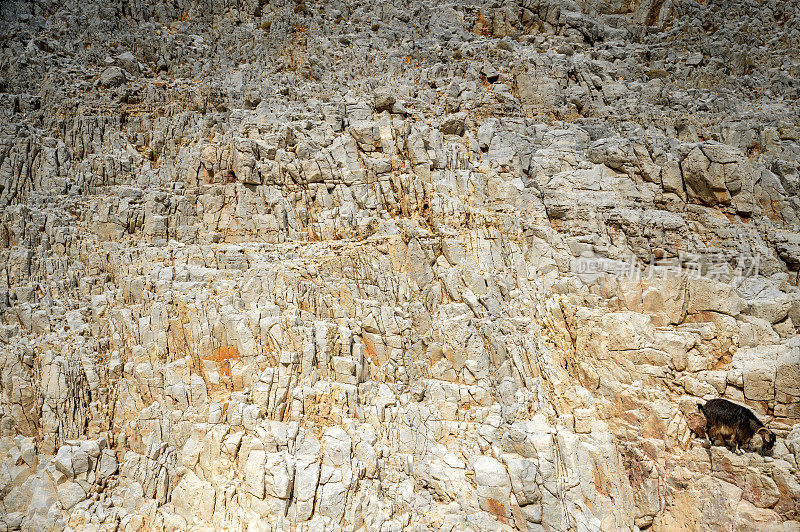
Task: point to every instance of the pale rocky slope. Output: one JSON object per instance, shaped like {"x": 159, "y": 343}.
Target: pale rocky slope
{"x": 316, "y": 266}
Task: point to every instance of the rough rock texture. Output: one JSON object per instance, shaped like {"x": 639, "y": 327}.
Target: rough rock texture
{"x": 397, "y": 265}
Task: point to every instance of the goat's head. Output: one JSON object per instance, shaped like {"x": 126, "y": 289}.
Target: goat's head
{"x": 767, "y": 440}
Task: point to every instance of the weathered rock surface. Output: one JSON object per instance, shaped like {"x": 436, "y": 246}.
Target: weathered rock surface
{"x": 397, "y": 265}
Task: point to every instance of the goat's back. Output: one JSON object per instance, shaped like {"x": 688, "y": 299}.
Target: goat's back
{"x": 731, "y": 414}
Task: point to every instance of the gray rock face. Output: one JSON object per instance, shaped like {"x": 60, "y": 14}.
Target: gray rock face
{"x": 112, "y": 77}
{"x": 127, "y": 61}
{"x": 381, "y": 266}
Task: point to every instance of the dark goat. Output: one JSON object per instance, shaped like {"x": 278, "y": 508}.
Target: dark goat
{"x": 735, "y": 425}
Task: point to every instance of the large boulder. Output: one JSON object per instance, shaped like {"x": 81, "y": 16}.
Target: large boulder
{"x": 112, "y": 77}
{"x": 717, "y": 174}
{"x": 494, "y": 485}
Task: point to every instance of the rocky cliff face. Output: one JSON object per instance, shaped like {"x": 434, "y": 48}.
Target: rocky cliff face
{"x": 397, "y": 265}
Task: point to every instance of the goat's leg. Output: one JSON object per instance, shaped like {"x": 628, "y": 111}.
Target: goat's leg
{"x": 725, "y": 442}
{"x": 712, "y": 436}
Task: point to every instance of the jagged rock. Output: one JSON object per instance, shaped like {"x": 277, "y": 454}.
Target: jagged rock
{"x": 614, "y": 153}
{"x": 128, "y": 62}
{"x": 494, "y": 486}
{"x": 694, "y": 59}
{"x": 419, "y": 266}
{"x": 112, "y": 77}
{"x": 70, "y": 494}
{"x": 194, "y": 499}
{"x": 453, "y": 124}
{"x": 384, "y": 99}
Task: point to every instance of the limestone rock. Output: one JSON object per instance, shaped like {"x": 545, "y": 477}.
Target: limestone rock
{"x": 419, "y": 266}
{"x": 112, "y": 77}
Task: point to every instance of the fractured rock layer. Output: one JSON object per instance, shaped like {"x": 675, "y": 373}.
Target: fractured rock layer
{"x": 397, "y": 265}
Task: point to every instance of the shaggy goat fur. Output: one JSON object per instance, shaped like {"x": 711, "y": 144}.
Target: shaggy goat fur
{"x": 735, "y": 425}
